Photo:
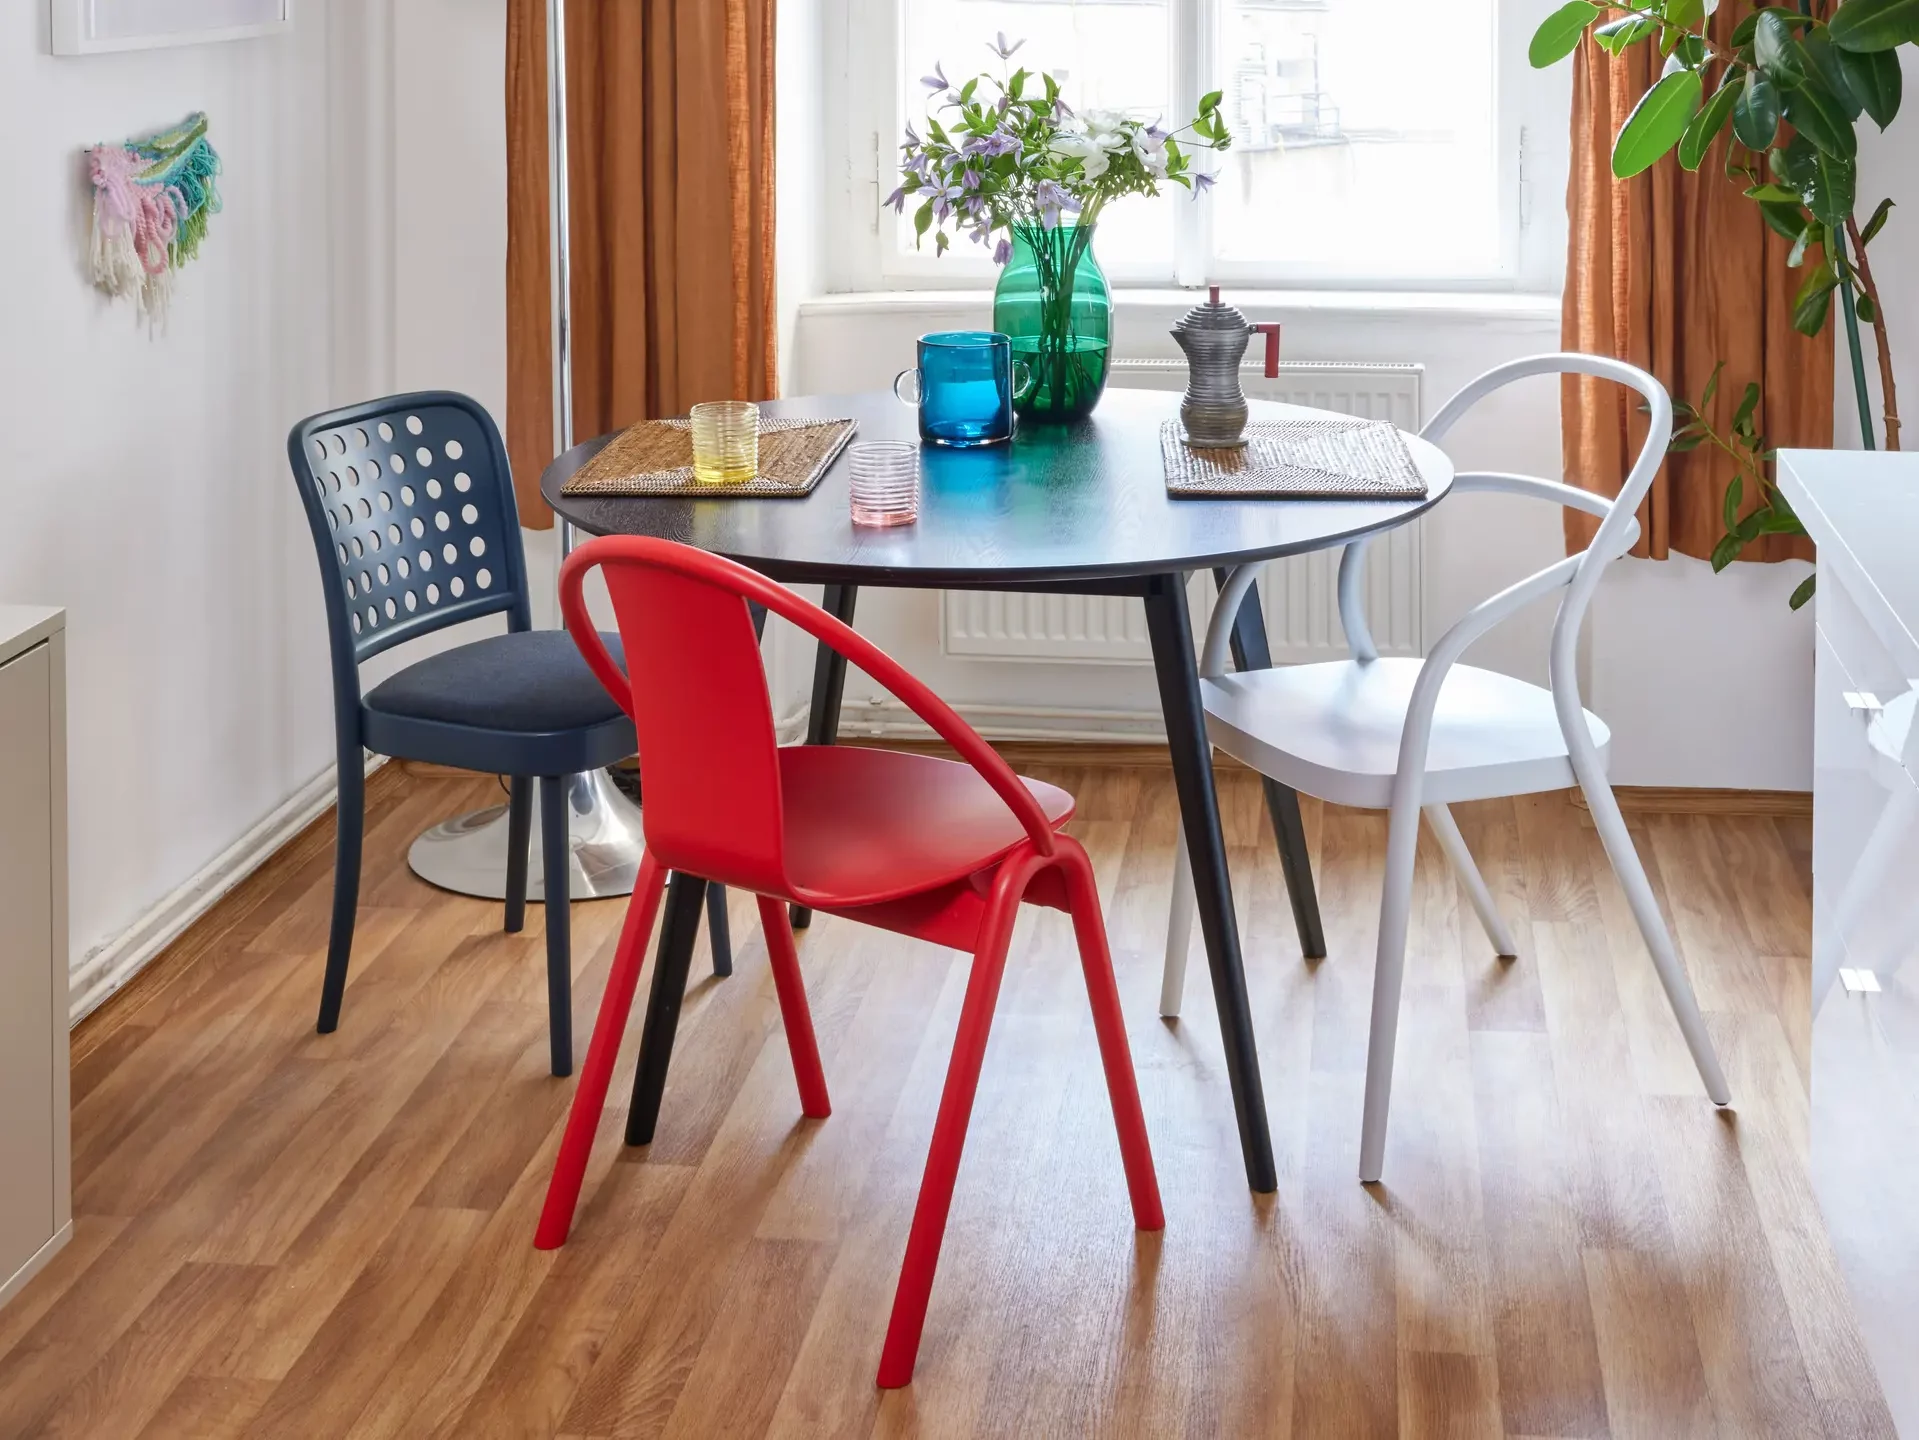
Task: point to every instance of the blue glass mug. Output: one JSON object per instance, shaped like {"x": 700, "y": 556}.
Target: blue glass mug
{"x": 965, "y": 386}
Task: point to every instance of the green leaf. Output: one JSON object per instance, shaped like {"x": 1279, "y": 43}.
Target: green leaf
{"x": 1016, "y": 83}
{"x": 1707, "y": 124}
{"x": 1685, "y": 13}
{"x": 1686, "y": 443}
{"x": 1209, "y": 102}
{"x": 1781, "y": 522}
{"x": 1748, "y": 403}
{"x": 1712, "y": 386}
{"x": 1813, "y": 234}
{"x": 1772, "y": 190}
{"x": 1814, "y": 300}
{"x": 1615, "y": 35}
{"x": 1787, "y": 221}
{"x": 1817, "y": 114}
{"x": 1867, "y": 312}
{"x": 1823, "y": 60}
{"x": 1871, "y": 25}
{"x": 1558, "y": 35}
{"x": 1830, "y": 190}
{"x": 1875, "y": 80}
{"x": 1877, "y": 223}
{"x": 1656, "y": 123}
{"x": 1804, "y": 593}
{"x": 922, "y": 219}
{"x": 1726, "y": 551}
{"x": 1735, "y": 496}
{"x": 1776, "y": 52}
{"x": 1755, "y": 113}
{"x": 1742, "y": 33}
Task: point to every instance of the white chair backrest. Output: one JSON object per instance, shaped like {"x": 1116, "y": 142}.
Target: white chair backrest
{"x": 1579, "y": 574}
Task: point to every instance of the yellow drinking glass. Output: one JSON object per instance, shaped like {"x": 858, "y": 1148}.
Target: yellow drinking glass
{"x": 726, "y": 442}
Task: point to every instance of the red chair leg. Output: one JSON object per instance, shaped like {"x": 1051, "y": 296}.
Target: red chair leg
{"x": 569, "y": 1170}
{"x": 1109, "y": 1023}
{"x": 794, "y": 1013}
{"x": 949, "y": 1126}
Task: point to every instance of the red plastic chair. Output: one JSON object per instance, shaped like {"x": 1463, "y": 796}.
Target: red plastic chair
{"x": 931, "y": 848}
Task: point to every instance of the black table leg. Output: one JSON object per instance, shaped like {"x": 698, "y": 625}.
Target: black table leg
{"x": 1250, "y": 652}
{"x": 684, "y": 897}
{"x": 1169, "y": 627}
{"x": 829, "y": 683}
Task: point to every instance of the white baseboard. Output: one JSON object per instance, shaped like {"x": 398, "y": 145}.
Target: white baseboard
{"x": 106, "y": 968}
{"x": 886, "y": 717}
{"x": 17, "y": 1282}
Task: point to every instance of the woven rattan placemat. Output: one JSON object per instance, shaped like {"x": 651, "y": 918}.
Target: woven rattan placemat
{"x": 1296, "y": 459}
{"x": 655, "y": 457}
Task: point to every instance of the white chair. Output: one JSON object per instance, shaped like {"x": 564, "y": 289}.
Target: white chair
{"x": 1405, "y": 734}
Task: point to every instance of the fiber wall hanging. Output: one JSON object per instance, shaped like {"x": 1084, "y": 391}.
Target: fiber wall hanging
{"x": 152, "y": 199}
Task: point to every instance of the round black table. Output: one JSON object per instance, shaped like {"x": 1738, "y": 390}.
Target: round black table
{"x": 1080, "y": 510}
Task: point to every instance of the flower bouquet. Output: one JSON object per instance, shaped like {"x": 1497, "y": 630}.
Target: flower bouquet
{"x": 1007, "y": 161}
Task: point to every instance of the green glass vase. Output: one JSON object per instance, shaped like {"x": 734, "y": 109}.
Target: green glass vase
{"x": 1053, "y": 302}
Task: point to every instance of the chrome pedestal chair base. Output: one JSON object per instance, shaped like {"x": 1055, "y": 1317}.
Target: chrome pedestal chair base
{"x": 467, "y": 854}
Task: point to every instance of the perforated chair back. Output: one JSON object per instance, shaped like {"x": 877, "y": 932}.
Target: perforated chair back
{"x": 410, "y": 500}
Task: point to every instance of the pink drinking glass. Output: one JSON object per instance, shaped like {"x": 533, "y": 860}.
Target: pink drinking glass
{"x": 885, "y": 483}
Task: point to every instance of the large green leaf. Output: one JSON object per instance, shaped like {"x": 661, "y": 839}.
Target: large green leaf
{"x": 1816, "y": 113}
{"x": 1776, "y": 52}
{"x": 1558, "y": 35}
{"x": 1787, "y": 221}
{"x": 1870, "y": 25}
{"x": 1814, "y": 301}
{"x": 1656, "y": 123}
{"x": 1615, "y": 35}
{"x": 1755, "y": 113}
{"x": 1743, "y": 32}
{"x": 1830, "y": 190}
{"x": 1823, "y": 60}
{"x": 1707, "y": 124}
{"x": 1875, "y": 81}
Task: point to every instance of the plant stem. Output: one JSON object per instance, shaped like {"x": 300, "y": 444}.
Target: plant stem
{"x": 1887, "y": 391}
{"x": 1850, "y": 309}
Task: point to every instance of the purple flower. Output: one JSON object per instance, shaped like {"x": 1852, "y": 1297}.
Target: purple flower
{"x": 937, "y": 80}
{"x": 1053, "y": 200}
{"x": 997, "y": 142}
{"x": 969, "y": 178}
{"x": 1202, "y": 181}
{"x": 1001, "y": 48}
{"x": 897, "y": 200}
{"x": 1061, "y": 108}
{"x": 1003, "y": 251}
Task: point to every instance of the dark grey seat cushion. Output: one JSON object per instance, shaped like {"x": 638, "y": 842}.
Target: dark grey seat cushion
{"x": 533, "y": 681}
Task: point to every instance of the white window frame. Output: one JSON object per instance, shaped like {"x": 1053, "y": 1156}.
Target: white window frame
{"x": 866, "y": 116}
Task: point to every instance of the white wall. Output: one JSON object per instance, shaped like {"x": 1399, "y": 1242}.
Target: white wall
{"x": 146, "y": 478}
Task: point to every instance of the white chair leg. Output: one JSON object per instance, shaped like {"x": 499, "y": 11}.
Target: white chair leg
{"x": 1461, "y": 859}
{"x": 1179, "y": 932}
{"x": 1652, "y": 925}
{"x": 1389, "y": 971}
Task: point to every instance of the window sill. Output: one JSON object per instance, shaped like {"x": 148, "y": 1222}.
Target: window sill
{"x": 1465, "y": 305}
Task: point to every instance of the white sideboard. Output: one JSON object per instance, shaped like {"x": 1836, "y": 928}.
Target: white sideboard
{"x": 1863, "y": 511}
{"x": 36, "y": 1212}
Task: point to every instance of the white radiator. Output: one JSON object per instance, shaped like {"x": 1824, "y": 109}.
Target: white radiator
{"x": 1298, "y": 594}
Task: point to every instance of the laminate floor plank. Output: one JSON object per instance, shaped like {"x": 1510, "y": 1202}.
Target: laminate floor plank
{"x": 282, "y": 1233}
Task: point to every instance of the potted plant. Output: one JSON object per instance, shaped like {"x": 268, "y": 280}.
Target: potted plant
{"x": 1006, "y": 161}
{"x": 1788, "y": 88}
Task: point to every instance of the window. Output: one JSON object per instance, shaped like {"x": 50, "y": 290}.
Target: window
{"x": 1376, "y": 143}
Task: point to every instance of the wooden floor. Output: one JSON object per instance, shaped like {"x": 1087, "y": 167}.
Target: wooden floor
{"x": 280, "y": 1233}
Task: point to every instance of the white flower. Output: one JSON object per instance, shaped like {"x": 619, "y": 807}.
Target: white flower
{"x": 1088, "y": 150}
{"x": 1151, "y": 150}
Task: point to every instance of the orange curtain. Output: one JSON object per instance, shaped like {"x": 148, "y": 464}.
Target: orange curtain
{"x": 1674, "y": 273}
{"x": 670, "y": 120}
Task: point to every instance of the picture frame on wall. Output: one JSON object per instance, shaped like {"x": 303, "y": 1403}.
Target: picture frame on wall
{"x": 91, "y": 27}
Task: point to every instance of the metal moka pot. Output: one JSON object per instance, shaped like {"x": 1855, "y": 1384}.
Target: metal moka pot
{"x": 1214, "y": 337}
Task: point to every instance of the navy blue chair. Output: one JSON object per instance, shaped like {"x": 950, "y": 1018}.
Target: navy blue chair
{"x": 410, "y": 499}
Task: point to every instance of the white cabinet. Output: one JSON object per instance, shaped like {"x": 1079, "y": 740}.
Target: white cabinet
{"x": 35, "y": 1187}
{"x": 1863, "y": 510}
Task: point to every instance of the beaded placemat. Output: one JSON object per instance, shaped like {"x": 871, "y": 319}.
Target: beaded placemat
{"x": 655, "y": 457}
{"x": 1296, "y": 459}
